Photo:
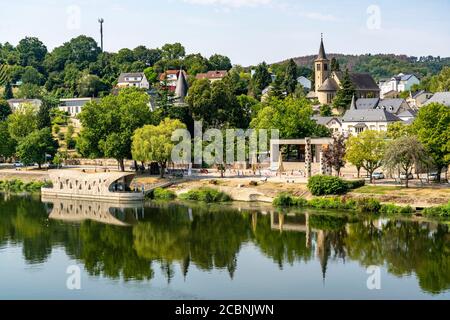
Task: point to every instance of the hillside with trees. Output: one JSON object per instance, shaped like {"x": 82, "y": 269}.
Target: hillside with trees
{"x": 381, "y": 65}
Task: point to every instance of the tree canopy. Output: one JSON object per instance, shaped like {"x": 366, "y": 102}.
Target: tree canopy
{"x": 109, "y": 124}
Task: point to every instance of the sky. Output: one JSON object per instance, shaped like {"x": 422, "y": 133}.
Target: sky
{"x": 248, "y": 31}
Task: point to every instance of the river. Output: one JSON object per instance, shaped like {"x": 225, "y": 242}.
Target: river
{"x": 65, "y": 249}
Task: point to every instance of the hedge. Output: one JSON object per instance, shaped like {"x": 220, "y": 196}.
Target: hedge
{"x": 20, "y": 186}
{"x": 206, "y": 195}
{"x": 321, "y": 185}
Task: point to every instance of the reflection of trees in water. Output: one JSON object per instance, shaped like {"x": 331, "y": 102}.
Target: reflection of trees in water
{"x": 405, "y": 247}
{"x": 210, "y": 237}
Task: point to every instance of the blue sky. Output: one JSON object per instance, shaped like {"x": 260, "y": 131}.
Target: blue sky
{"x": 248, "y": 31}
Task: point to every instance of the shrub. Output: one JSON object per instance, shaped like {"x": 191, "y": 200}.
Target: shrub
{"x": 326, "y": 185}
{"x": 206, "y": 195}
{"x": 163, "y": 194}
{"x": 19, "y": 186}
{"x": 287, "y": 200}
{"x": 392, "y": 209}
{"x": 368, "y": 205}
{"x": 355, "y": 184}
{"x": 442, "y": 212}
{"x": 332, "y": 203}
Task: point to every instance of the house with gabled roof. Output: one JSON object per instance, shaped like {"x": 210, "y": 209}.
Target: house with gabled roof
{"x": 440, "y": 97}
{"x": 133, "y": 79}
{"x": 355, "y": 121}
{"x": 400, "y": 83}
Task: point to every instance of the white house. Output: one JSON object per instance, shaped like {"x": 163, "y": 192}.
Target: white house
{"x": 73, "y": 107}
{"x": 334, "y": 123}
{"x": 305, "y": 82}
{"x": 16, "y": 104}
{"x": 357, "y": 120}
{"x": 136, "y": 79}
{"x": 401, "y": 82}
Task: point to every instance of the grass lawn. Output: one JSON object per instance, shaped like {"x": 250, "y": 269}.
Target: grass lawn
{"x": 379, "y": 189}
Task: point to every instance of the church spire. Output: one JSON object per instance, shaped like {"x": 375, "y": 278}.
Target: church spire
{"x": 322, "y": 54}
{"x": 353, "y": 104}
{"x": 181, "y": 88}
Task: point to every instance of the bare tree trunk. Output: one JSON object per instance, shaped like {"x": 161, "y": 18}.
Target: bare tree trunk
{"x": 122, "y": 165}
{"x": 162, "y": 169}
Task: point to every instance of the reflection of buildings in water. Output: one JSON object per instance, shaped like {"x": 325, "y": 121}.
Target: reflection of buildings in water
{"x": 291, "y": 222}
{"x": 103, "y": 212}
{"x": 323, "y": 242}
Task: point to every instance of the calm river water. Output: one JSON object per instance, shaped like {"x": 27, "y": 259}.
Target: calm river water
{"x": 192, "y": 251}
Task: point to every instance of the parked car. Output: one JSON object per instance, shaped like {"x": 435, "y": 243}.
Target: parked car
{"x": 378, "y": 175}
{"x": 433, "y": 176}
{"x": 403, "y": 176}
{"x": 18, "y": 164}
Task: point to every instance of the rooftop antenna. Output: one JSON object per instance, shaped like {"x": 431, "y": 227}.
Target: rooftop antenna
{"x": 101, "y": 20}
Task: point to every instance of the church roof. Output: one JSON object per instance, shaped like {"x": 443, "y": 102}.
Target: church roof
{"x": 329, "y": 85}
{"x": 367, "y": 103}
{"x": 361, "y": 81}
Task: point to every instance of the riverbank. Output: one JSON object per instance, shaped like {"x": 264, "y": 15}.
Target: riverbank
{"x": 251, "y": 189}
{"x": 248, "y": 190}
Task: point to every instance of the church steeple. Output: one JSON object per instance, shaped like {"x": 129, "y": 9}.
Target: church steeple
{"x": 322, "y": 55}
{"x": 321, "y": 66}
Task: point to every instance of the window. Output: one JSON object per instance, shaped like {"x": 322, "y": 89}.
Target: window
{"x": 325, "y": 67}
{"x": 359, "y": 129}
{"x": 318, "y": 67}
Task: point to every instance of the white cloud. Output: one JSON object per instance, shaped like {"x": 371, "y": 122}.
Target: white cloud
{"x": 231, "y": 3}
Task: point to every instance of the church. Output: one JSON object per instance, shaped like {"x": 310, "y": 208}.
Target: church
{"x": 328, "y": 82}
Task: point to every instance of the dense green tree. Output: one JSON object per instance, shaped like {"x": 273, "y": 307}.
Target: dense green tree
{"x": 5, "y": 110}
{"x": 29, "y": 91}
{"x": 43, "y": 117}
{"x": 22, "y": 122}
{"x": 215, "y": 105}
{"x": 154, "y": 143}
{"x": 335, "y": 65}
{"x": 325, "y": 110}
{"x": 291, "y": 116}
{"x": 219, "y": 62}
{"x": 399, "y": 155}
{"x": 366, "y": 150}
{"x": 91, "y": 86}
{"x": 109, "y": 124}
{"x": 432, "y": 127}
{"x": 151, "y": 75}
{"x": 8, "y": 144}
{"x": 345, "y": 94}
{"x": 237, "y": 80}
{"x": 32, "y": 76}
{"x": 32, "y": 52}
{"x": 35, "y": 147}
{"x": 399, "y": 129}
{"x": 441, "y": 81}
{"x": 290, "y": 77}
{"x": 261, "y": 79}
{"x": 195, "y": 63}
{"x": 173, "y": 51}
{"x": 8, "y": 92}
